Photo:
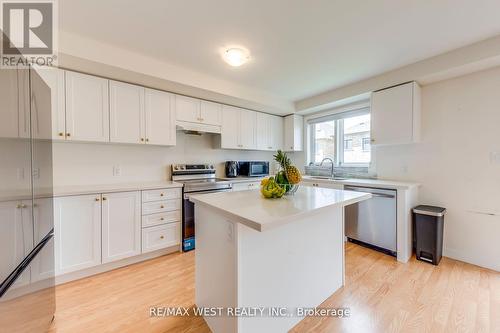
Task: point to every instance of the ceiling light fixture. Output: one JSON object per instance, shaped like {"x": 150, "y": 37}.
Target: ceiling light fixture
{"x": 236, "y": 56}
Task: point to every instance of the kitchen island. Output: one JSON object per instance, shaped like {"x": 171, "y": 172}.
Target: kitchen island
{"x": 268, "y": 258}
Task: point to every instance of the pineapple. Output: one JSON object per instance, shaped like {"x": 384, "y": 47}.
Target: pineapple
{"x": 292, "y": 173}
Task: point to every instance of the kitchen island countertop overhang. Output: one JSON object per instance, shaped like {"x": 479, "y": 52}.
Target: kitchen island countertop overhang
{"x": 259, "y": 213}
{"x": 253, "y": 252}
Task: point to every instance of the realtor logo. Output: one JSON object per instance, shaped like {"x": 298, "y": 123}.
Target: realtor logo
{"x": 28, "y": 33}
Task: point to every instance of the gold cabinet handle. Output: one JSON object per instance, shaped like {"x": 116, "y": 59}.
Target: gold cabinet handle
{"x": 161, "y": 194}
{"x": 142, "y": 139}
{"x": 161, "y": 218}
{"x": 162, "y": 206}
{"x": 147, "y": 140}
{"x": 18, "y": 206}
{"x": 61, "y": 134}
{"x": 68, "y": 134}
{"x": 104, "y": 199}
{"x": 97, "y": 199}
{"x": 161, "y": 237}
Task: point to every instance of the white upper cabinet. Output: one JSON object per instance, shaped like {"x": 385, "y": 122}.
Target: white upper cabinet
{"x": 269, "y": 132}
{"x": 230, "y": 133}
{"x": 87, "y": 108}
{"x": 210, "y": 113}
{"x": 121, "y": 225}
{"x": 193, "y": 110}
{"x": 293, "y": 133}
{"x": 395, "y": 115}
{"x": 277, "y": 132}
{"x": 238, "y": 128}
{"x": 159, "y": 118}
{"x": 77, "y": 230}
{"x": 247, "y": 124}
{"x": 126, "y": 113}
{"x": 187, "y": 108}
{"x": 54, "y": 78}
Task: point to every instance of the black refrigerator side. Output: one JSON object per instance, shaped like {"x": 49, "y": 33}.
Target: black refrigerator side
{"x": 27, "y": 292}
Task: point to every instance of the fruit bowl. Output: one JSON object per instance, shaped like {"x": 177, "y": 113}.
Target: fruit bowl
{"x": 290, "y": 189}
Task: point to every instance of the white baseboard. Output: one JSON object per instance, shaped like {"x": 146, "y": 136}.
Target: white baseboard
{"x": 64, "y": 278}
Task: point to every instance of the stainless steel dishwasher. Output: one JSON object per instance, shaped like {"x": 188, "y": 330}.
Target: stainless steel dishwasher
{"x": 373, "y": 222}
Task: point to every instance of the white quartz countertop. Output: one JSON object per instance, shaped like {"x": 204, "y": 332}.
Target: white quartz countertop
{"x": 61, "y": 191}
{"x": 380, "y": 183}
{"x": 253, "y": 210}
{"x": 109, "y": 188}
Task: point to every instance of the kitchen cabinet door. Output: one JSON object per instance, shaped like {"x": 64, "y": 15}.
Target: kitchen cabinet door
{"x": 246, "y": 186}
{"x": 276, "y": 132}
{"x": 43, "y": 265}
{"x": 395, "y": 115}
{"x": 160, "y": 118}
{"x": 16, "y": 232}
{"x": 126, "y": 113}
{"x": 264, "y": 135}
{"x": 247, "y": 125}
{"x": 77, "y": 228}
{"x": 293, "y": 137}
{"x": 87, "y": 108}
{"x": 323, "y": 184}
{"x": 210, "y": 113}
{"x": 187, "y": 109}
{"x": 230, "y": 133}
{"x": 54, "y": 78}
{"x": 121, "y": 225}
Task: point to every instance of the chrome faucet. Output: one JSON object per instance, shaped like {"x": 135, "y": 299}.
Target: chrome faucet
{"x": 332, "y": 174}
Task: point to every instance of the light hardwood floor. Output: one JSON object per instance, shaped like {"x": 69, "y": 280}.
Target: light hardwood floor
{"x": 383, "y": 295}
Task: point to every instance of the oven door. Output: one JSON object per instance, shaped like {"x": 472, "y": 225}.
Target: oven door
{"x": 188, "y": 219}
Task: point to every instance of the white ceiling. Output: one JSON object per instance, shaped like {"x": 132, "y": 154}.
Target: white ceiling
{"x": 299, "y": 48}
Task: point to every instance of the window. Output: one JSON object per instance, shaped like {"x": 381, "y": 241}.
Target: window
{"x": 347, "y": 143}
{"x": 343, "y": 137}
{"x": 366, "y": 144}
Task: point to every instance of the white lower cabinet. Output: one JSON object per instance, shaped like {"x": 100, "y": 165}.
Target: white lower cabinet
{"x": 16, "y": 239}
{"x": 96, "y": 229}
{"x": 324, "y": 184}
{"x": 77, "y": 227}
{"x": 245, "y": 186}
{"x": 161, "y": 236}
{"x": 121, "y": 225}
{"x": 42, "y": 266}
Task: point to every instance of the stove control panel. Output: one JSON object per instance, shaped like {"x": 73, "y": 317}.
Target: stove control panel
{"x": 192, "y": 167}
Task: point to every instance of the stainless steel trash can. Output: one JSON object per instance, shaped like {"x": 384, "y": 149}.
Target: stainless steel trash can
{"x": 428, "y": 227}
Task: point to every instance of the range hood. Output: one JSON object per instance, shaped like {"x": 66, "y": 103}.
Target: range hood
{"x": 193, "y": 128}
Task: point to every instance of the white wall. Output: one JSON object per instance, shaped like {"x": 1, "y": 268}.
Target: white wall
{"x": 84, "y": 163}
{"x": 460, "y": 129}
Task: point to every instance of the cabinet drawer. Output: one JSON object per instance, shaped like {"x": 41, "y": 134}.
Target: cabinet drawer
{"x": 159, "y": 237}
{"x": 161, "y": 218}
{"x": 161, "y": 194}
{"x": 160, "y": 206}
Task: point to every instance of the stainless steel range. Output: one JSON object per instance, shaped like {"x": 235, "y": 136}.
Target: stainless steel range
{"x": 197, "y": 178}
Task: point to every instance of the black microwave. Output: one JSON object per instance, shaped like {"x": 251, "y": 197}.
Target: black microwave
{"x": 253, "y": 168}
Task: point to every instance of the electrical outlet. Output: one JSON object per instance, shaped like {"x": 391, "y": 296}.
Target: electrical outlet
{"x": 117, "y": 171}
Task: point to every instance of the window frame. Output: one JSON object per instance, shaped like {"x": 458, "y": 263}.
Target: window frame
{"x": 338, "y": 158}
